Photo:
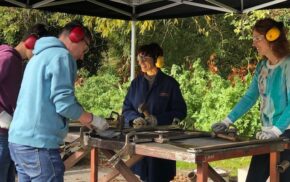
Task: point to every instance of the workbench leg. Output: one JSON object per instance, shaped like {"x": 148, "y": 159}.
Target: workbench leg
{"x": 274, "y": 160}
{"x": 202, "y": 171}
{"x": 74, "y": 158}
{"x": 94, "y": 165}
{"x": 214, "y": 175}
{"x": 122, "y": 167}
{"x": 130, "y": 162}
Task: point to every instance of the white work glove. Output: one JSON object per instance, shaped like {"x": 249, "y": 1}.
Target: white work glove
{"x": 151, "y": 120}
{"x": 139, "y": 122}
{"x": 222, "y": 126}
{"x": 5, "y": 120}
{"x": 268, "y": 133}
{"x": 99, "y": 123}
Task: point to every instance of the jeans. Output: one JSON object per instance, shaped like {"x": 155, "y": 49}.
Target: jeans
{"x": 7, "y": 168}
{"x": 37, "y": 164}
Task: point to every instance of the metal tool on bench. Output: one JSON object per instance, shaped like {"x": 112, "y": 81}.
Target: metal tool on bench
{"x": 75, "y": 145}
{"x": 143, "y": 110}
{"x": 230, "y": 134}
{"x": 116, "y": 120}
{"x": 125, "y": 150}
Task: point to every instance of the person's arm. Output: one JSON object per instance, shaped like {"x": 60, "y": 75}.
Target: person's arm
{"x": 4, "y": 69}
{"x": 128, "y": 110}
{"x": 63, "y": 72}
{"x": 5, "y": 118}
{"x": 248, "y": 100}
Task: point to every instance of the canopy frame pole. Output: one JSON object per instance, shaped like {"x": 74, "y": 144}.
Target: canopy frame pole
{"x": 263, "y": 5}
{"x": 133, "y": 45}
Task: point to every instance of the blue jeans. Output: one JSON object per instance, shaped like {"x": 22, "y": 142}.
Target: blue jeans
{"x": 7, "y": 168}
{"x": 37, "y": 164}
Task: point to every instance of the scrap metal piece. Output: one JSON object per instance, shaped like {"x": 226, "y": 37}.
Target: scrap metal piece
{"x": 125, "y": 150}
{"x": 283, "y": 166}
{"x": 161, "y": 138}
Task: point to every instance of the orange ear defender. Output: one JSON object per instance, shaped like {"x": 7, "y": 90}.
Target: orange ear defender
{"x": 273, "y": 34}
{"x": 30, "y": 41}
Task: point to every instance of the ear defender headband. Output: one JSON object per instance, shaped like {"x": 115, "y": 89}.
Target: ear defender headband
{"x": 160, "y": 62}
{"x": 273, "y": 34}
{"x": 77, "y": 34}
{"x": 30, "y": 41}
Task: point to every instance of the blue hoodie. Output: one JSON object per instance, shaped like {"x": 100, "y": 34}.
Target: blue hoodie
{"x": 46, "y": 98}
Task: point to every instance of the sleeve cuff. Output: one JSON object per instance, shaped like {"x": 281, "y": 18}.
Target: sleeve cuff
{"x": 276, "y": 131}
{"x": 227, "y": 121}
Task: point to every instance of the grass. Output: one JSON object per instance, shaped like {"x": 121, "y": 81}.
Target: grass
{"x": 230, "y": 165}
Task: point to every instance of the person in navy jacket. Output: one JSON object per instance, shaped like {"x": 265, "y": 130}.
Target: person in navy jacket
{"x": 160, "y": 97}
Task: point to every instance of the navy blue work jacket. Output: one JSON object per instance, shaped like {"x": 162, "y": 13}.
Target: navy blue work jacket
{"x": 165, "y": 102}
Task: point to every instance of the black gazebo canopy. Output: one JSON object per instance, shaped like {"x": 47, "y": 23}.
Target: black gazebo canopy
{"x": 147, "y": 9}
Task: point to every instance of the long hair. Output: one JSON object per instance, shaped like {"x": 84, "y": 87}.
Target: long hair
{"x": 280, "y": 46}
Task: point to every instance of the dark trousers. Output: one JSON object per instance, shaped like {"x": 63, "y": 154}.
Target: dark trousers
{"x": 259, "y": 170}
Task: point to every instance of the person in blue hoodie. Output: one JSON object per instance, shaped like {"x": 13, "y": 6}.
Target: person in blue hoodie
{"x": 160, "y": 97}
{"x": 271, "y": 83}
{"x": 11, "y": 72}
{"x": 45, "y": 103}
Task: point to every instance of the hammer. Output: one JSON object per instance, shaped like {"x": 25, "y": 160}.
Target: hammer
{"x": 143, "y": 109}
{"x": 230, "y": 134}
{"x": 224, "y": 136}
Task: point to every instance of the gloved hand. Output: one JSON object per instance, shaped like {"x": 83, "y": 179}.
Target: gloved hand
{"x": 151, "y": 120}
{"x": 99, "y": 123}
{"x": 268, "y": 133}
{"x": 222, "y": 126}
{"x": 5, "y": 120}
{"x": 139, "y": 122}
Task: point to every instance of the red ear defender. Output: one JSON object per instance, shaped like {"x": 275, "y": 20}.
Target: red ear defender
{"x": 77, "y": 34}
{"x": 30, "y": 41}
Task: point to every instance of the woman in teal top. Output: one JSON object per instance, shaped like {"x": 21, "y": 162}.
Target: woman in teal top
{"x": 272, "y": 83}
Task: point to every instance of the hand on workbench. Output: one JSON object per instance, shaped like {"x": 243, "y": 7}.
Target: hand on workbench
{"x": 151, "y": 120}
{"x": 222, "y": 126}
{"x": 99, "y": 123}
{"x": 268, "y": 133}
{"x": 139, "y": 122}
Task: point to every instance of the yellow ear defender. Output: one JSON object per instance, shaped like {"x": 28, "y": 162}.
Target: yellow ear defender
{"x": 160, "y": 62}
{"x": 273, "y": 34}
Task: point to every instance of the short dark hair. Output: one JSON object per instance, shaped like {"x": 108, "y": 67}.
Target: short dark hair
{"x": 280, "y": 46}
{"x": 38, "y": 29}
{"x": 75, "y": 23}
{"x": 152, "y": 50}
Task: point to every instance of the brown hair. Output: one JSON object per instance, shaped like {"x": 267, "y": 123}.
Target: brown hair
{"x": 280, "y": 46}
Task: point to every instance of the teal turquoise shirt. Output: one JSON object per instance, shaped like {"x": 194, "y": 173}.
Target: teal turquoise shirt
{"x": 46, "y": 98}
{"x": 272, "y": 84}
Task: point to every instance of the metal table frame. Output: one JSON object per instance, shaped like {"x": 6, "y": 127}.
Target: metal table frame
{"x": 172, "y": 152}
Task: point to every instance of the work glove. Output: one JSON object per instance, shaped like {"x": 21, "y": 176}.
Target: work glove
{"x": 151, "y": 120}
{"x": 222, "y": 126}
{"x": 268, "y": 133}
{"x": 99, "y": 123}
{"x": 139, "y": 122}
{"x": 5, "y": 120}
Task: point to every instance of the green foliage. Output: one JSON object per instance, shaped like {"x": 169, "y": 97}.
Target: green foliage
{"x": 230, "y": 165}
{"x": 102, "y": 94}
{"x": 210, "y": 98}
